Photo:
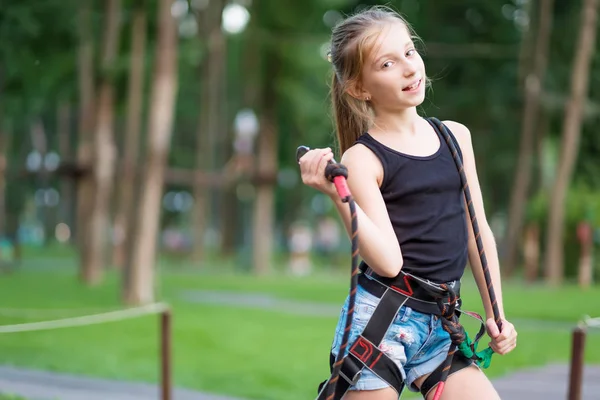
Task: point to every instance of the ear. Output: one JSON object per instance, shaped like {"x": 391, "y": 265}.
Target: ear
{"x": 358, "y": 92}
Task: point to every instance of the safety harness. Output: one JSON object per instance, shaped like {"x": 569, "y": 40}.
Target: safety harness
{"x": 419, "y": 294}
{"x": 393, "y": 293}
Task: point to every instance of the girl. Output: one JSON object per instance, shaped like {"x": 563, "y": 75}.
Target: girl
{"x": 410, "y": 205}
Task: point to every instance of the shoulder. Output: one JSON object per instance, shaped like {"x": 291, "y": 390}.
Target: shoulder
{"x": 460, "y": 131}
{"x": 361, "y": 160}
{"x": 463, "y": 137}
{"x": 360, "y": 155}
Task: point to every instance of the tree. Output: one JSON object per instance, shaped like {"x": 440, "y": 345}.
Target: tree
{"x": 266, "y": 169}
{"x": 522, "y": 177}
{"x": 140, "y": 287}
{"x": 212, "y": 72}
{"x": 104, "y": 148}
{"x": 85, "y": 70}
{"x": 63, "y": 118}
{"x": 571, "y": 133}
{"x": 123, "y": 222}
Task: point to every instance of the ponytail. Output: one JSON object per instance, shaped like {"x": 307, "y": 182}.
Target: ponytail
{"x": 352, "y": 116}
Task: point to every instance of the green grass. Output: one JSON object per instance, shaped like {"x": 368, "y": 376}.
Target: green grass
{"x": 245, "y": 352}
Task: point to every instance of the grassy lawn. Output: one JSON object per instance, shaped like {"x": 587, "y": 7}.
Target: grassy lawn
{"x": 241, "y": 351}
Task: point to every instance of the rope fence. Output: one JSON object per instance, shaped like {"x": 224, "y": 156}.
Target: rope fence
{"x": 98, "y": 318}
{"x": 36, "y": 313}
{"x": 578, "y": 338}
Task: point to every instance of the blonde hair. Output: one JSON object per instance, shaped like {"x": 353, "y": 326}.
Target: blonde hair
{"x": 352, "y": 40}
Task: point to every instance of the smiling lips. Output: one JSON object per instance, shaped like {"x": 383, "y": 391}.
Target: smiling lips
{"x": 413, "y": 86}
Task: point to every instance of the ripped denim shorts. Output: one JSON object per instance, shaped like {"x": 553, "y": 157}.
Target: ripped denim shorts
{"x": 415, "y": 341}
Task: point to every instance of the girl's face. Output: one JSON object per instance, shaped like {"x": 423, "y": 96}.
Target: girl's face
{"x": 393, "y": 76}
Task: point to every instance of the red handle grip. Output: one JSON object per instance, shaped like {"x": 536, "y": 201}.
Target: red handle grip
{"x": 341, "y": 186}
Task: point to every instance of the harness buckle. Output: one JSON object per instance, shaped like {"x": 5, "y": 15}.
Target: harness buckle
{"x": 354, "y": 380}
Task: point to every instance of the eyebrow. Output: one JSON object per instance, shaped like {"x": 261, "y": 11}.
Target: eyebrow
{"x": 410, "y": 42}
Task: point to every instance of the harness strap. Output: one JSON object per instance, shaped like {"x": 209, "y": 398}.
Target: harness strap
{"x": 365, "y": 352}
{"x": 458, "y": 362}
{"x": 422, "y": 295}
{"x": 352, "y": 366}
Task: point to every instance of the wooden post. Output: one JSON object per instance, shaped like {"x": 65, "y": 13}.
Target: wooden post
{"x": 576, "y": 373}
{"x": 165, "y": 355}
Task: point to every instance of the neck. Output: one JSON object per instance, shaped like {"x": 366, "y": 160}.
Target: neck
{"x": 397, "y": 122}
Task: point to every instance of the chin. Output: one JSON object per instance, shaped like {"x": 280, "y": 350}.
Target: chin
{"x": 417, "y": 101}
{"x": 410, "y": 103}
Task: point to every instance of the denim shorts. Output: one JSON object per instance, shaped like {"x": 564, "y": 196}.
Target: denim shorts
{"x": 416, "y": 342}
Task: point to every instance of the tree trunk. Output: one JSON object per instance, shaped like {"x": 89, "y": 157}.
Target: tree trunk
{"x": 85, "y": 187}
{"x": 162, "y": 109}
{"x": 64, "y": 150}
{"x": 542, "y": 133}
{"x": 570, "y": 141}
{"x": 123, "y": 222}
{"x": 523, "y": 171}
{"x": 531, "y": 250}
{"x": 526, "y": 47}
{"x": 211, "y": 103}
{"x": 104, "y": 149}
{"x": 229, "y": 221}
{"x": 585, "y": 233}
{"x": 266, "y": 169}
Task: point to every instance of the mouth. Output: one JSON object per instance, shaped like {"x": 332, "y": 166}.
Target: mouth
{"x": 413, "y": 86}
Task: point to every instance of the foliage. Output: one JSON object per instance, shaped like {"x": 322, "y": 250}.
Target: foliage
{"x": 39, "y": 69}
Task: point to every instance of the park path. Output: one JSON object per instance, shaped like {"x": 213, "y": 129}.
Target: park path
{"x": 548, "y": 383}
{"x": 42, "y": 385}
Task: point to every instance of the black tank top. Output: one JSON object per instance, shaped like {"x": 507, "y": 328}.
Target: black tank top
{"x": 424, "y": 199}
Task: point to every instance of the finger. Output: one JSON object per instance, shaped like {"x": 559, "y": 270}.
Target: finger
{"x": 304, "y": 161}
{"x": 310, "y": 161}
{"x": 498, "y": 347}
{"x": 508, "y": 331}
{"x": 507, "y": 349}
{"x": 492, "y": 328}
{"x": 317, "y": 160}
{"x": 325, "y": 158}
{"x": 501, "y": 345}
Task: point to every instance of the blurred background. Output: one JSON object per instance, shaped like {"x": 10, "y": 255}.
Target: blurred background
{"x": 148, "y": 154}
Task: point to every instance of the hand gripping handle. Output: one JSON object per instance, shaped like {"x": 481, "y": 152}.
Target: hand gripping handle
{"x": 334, "y": 172}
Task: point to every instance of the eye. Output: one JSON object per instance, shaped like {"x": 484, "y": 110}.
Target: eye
{"x": 410, "y": 52}
{"x": 387, "y": 64}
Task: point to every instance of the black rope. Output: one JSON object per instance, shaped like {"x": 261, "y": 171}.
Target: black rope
{"x": 449, "y": 318}
{"x": 338, "y": 171}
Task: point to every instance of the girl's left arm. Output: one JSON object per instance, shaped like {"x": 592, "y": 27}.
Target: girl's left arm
{"x": 502, "y": 342}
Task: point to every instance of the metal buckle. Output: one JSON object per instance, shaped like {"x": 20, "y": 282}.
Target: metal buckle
{"x": 352, "y": 381}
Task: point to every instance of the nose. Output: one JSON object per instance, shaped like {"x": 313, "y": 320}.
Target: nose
{"x": 410, "y": 68}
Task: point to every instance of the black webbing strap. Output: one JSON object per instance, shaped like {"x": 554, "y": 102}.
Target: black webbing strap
{"x": 422, "y": 295}
{"x": 365, "y": 353}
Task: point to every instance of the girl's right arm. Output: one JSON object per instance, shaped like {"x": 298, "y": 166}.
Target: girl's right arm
{"x": 377, "y": 242}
